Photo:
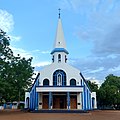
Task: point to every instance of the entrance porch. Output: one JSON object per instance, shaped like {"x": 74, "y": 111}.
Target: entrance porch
{"x": 60, "y": 97}
{"x": 56, "y": 100}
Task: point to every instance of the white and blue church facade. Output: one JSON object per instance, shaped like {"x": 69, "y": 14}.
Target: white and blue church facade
{"x": 60, "y": 85}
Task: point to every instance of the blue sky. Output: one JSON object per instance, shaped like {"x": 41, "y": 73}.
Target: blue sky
{"x": 91, "y": 29}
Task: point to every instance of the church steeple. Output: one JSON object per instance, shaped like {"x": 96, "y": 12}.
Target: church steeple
{"x": 59, "y": 12}
{"x": 59, "y": 40}
{"x": 59, "y": 44}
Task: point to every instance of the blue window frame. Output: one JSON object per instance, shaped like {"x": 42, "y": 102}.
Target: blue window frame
{"x": 45, "y": 82}
{"x": 65, "y": 58}
{"x": 72, "y": 82}
{"x": 53, "y": 59}
{"x": 59, "y": 78}
{"x": 59, "y": 57}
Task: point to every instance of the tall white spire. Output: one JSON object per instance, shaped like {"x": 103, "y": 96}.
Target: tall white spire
{"x": 59, "y": 39}
{"x": 59, "y": 44}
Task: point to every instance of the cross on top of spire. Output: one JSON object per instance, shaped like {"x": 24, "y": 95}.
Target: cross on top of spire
{"x": 59, "y": 12}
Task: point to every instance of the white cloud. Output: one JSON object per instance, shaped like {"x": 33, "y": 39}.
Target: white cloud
{"x": 115, "y": 69}
{"x": 22, "y": 52}
{"x": 98, "y": 82}
{"x": 6, "y": 21}
{"x": 45, "y": 52}
{"x": 15, "y": 38}
{"x": 102, "y": 29}
{"x": 7, "y": 24}
{"x": 35, "y": 74}
{"x": 94, "y": 80}
{"x": 27, "y": 54}
{"x": 97, "y": 70}
{"x": 41, "y": 64}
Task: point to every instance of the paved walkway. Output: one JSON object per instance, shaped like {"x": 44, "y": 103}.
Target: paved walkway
{"x": 93, "y": 115}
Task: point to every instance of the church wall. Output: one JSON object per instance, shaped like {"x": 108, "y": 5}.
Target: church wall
{"x": 34, "y": 95}
{"x": 40, "y": 101}
{"x": 79, "y": 101}
{"x": 93, "y": 95}
{"x": 62, "y": 57}
{"x": 71, "y": 73}
{"x": 77, "y": 97}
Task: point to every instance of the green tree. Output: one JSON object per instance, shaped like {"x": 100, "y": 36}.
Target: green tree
{"x": 108, "y": 93}
{"x": 6, "y": 55}
{"x": 23, "y": 72}
{"x": 15, "y": 72}
{"x": 93, "y": 86}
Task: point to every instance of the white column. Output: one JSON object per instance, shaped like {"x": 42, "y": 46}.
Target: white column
{"x": 40, "y": 101}
{"x": 27, "y": 95}
{"x": 79, "y": 101}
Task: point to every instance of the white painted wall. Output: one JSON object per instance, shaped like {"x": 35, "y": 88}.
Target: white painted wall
{"x": 70, "y": 71}
{"x": 40, "y": 101}
{"x": 93, "y": 94}
{"x": 79, "y": 100}
{"x": 27, "y": 94}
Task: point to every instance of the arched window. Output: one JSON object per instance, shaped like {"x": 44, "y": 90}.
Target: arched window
{"x": 59, "y": 57}
{"x": 45, "y": 82}
{"x": 53, "y": 59}
{"x": 72, "y": 82}
{"x": 65, "y": 58}
{"x": 59, "y": 78}
{"x": 81, "y": 82}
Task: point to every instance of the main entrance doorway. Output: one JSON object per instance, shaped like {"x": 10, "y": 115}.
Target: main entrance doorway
{"x": 59, "y": 102}
{"x": 73, "y": 102}
{"x": 45, "y": 101}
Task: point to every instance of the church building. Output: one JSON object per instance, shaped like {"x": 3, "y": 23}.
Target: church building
{"x": 60, "y": 85}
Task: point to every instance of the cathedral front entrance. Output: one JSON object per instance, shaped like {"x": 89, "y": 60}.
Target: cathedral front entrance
{"x": 45, "y": 101}
{"x": 59, "y": 102}
{"x": 73, "y": 102}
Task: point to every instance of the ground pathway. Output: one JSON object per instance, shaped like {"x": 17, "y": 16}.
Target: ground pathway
{"x": 92, "y": 115}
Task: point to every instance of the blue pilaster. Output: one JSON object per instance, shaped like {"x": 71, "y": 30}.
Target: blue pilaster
{"x": 50, "y": 100}
{"x": 90, "y": 100}
{"x": 87, "y": 100}
{"x": 36, "y": 100}
{"x": 84, "y": 98}
{"x": 68, "y": 100}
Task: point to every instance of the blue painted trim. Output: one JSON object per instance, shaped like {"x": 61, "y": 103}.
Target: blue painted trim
{"x": 34, "y": 95}
{"x": 35, "y": 81}
{"x": 90, "y": 100}
{"x": 85, "y": 81}
{"x": 87, "y": 100}
{"x": 63, "y": 77}
{"x": 68, "y": 100}
{"x": 84, "y": 98}
{"x": 36, "y": 100}
{"x": 50, "y": 100}
{"x": 60, "y": 86}
{"x": 59, "y": 50}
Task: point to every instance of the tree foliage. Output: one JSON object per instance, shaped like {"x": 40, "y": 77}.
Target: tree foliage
{"x": 15, "y": 72}
{"x": 93, "y": 86}
{"x": 109, "y": 92}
